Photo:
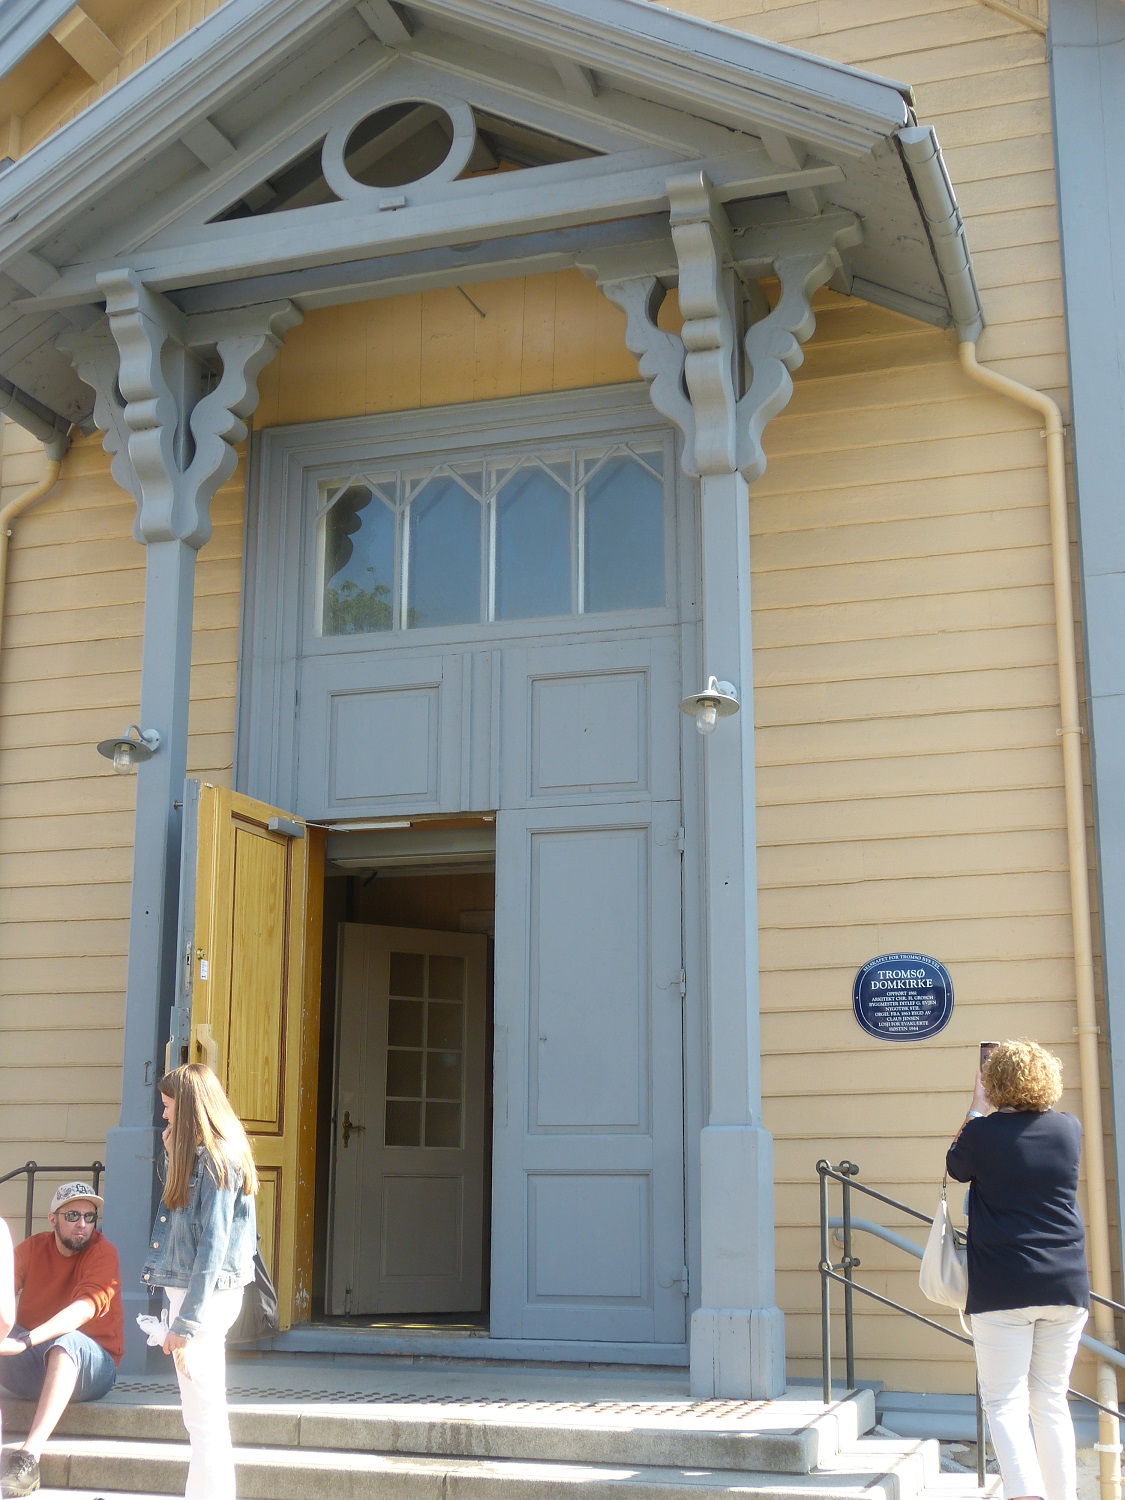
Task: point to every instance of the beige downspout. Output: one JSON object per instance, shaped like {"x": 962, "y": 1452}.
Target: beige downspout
{"x": 1087, "y": 1029}
{"x": 54, "y": 449}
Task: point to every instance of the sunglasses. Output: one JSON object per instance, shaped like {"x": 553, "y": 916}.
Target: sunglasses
{"x": 77, "y": 1216}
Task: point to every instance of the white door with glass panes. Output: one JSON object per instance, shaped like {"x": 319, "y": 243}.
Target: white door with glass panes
{"x": 408, "y": 1142}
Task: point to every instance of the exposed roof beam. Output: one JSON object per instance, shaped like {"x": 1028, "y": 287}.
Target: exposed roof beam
{"x": 207, "y": 142}
{"x": 447, "y": 265}
{"x": 386, "y": 22}
{"x": 33, "y": 272}
{"x": 560, "y": 197}
{"x": 87, "y": 43}
{"x": 783, "y": 151}
{"x": 579, "y": 82}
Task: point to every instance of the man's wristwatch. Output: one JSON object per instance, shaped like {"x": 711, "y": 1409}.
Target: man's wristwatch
{"x": 26, "y": 1340}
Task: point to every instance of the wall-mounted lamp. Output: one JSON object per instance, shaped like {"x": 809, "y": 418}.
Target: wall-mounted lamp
{"x": 127, "y": 750}
{"x": 718, "y": 700}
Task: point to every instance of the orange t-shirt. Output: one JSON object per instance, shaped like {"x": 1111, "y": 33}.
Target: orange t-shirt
{"x": 46, "y": 1282}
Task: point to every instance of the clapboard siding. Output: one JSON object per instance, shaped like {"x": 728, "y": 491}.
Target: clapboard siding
{"x": 70, "y": 676}
{"x": 909, "y": 772}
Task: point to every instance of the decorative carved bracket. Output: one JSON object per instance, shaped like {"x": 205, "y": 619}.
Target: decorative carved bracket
{"x": 172, "y": 443}
{"x": 701, "y": 236}
{"x": 660, "y": 355}
{"x": 95, "y": 356}
{"x": 696, "y": 379}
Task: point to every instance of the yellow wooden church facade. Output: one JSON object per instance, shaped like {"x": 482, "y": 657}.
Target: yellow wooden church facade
{"x": 906, "y": 679}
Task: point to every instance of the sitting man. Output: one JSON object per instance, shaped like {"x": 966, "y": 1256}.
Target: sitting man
{"x": 69, "y": 1338}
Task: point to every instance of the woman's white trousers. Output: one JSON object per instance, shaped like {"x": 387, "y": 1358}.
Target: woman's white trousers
{"x": 1024, "y": 1357}
{"x": 202, "y": 1373}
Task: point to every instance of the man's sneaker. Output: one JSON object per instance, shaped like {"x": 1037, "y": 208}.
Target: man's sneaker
{"x": 21, "y": 1474}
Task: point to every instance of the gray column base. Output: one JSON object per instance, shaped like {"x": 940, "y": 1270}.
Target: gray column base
{"x": 738, "y": 1351}
{"x": 131, "y": 1191}
{"x": 737, "y": 1335}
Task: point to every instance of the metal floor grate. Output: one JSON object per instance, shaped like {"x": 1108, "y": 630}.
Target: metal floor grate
{"x": 240, "y": 1394}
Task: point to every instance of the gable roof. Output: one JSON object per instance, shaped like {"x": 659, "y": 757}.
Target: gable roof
{"x": 176, "y": 172}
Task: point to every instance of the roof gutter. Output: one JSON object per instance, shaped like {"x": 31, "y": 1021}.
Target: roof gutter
{"x": 934, "y": 192}
{"x": 24, "y": 410}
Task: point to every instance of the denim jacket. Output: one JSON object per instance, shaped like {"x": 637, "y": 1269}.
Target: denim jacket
{"x": 206, "y": 1247}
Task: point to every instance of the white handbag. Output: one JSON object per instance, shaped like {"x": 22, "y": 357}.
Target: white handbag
{"x": 944, "y": 1274}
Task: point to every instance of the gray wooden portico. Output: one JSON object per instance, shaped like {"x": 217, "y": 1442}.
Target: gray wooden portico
{"x": 154, "y": 252}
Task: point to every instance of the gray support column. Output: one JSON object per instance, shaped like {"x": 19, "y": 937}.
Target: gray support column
{"x": 131, "y": 1187}
{"x": 737, "y": 1333}
{"x": 1086, "y": 51}
{"x": 720, "y": 387}
{"x": 171, "y": 446}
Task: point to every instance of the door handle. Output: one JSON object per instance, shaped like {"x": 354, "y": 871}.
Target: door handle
{"x": 349, "y": 1127}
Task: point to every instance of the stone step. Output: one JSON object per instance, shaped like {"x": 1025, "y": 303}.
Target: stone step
{"x": 876, "y": 1469}
{"x": 778, "y": 1437}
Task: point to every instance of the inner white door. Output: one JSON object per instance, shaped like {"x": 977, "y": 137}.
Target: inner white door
{"x": 408, "y": 1181}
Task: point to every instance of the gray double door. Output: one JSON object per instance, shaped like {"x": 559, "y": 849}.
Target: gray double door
{"x": 588, "y": 1183}
{"x": 576, "y": 746}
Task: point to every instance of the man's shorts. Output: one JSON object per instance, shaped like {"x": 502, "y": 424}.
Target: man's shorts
{"x": 22, "y": 1375}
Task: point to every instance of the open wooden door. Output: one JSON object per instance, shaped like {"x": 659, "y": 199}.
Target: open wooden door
{"x": 251, "y": 899}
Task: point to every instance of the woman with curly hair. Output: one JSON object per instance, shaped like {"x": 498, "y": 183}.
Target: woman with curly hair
{"x": 1028, "y": 1288}
{"x": 201, "y": 1251}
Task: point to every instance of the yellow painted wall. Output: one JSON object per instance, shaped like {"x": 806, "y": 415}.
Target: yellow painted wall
{"x": 906, "y": 690}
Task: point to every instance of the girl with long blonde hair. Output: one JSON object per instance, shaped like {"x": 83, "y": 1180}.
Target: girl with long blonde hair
{"x": 201, "y": 1251}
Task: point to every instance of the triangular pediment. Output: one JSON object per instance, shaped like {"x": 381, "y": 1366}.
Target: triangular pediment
{"x": 316, "y": 149}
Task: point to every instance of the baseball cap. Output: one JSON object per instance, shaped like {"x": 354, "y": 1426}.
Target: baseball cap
{"x": 71, "y": 1190}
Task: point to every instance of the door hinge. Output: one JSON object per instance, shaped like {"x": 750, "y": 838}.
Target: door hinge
{"x": 681, "y": 839}
{"x": 684, "y": 1281}
{"x": 683, "y": 983}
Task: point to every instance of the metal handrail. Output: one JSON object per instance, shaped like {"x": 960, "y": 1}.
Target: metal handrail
{"x": 829, "y": 1272}
{"x": 32, "y": 1169}
{"x": 900, "y": 1242}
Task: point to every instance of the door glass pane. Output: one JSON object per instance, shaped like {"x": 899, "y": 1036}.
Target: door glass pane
{"x": 443, "y": 1075}
{"x": 407, "y": 970}
{"x": 445, "y": 1025}
{"x": 403, "y": 1123}
{"x": 404, "y": 1074}
{"x": 405, "y": 1023}
{"x": 443, "y": 1125}
{"x": 359, "y": 557}
{"x": 447, "y": 977}
{"x": 532, "y": 546}
{"x": 623, "y": 552}
{"x": 444, "y": 583}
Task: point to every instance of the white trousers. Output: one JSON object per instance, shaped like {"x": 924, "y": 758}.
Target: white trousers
{"x": 1024, "y": 1358}
{"x": 202, "y": 1373}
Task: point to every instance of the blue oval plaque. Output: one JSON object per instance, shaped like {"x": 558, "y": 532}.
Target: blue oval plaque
{"x": 902, "y": 997}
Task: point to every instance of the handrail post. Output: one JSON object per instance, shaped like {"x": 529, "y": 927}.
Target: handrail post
{"x": 980, "y": 1437}
{"x": 29, "y": 1203}
{"x": 822, "y": 1168}
{"x": 848, "y": 1170}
